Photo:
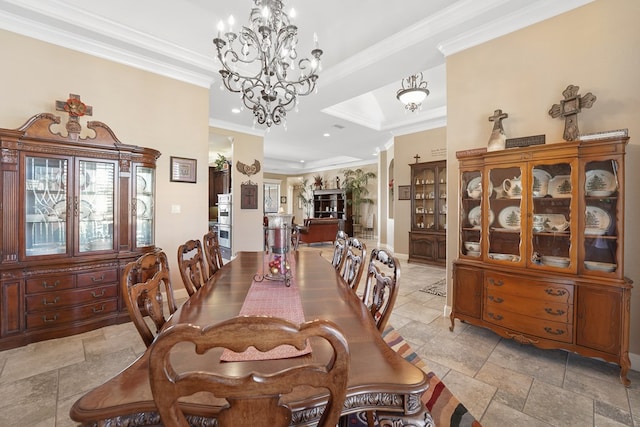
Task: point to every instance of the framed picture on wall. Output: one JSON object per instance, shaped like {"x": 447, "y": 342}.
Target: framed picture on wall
{"x": 183, "y": 170}
{"x": 404, "y": 192}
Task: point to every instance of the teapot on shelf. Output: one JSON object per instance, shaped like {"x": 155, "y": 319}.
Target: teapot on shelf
{"x": 512, "y": 187}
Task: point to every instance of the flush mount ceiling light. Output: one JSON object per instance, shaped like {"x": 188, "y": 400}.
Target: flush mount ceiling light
{"x": 413, "y": 92}
{"x": 261, "y": 62}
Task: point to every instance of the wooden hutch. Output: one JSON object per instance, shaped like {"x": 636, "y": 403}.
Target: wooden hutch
{"x": 334, "y": 203}
{"x": 75, "y": 211}
{"x": 427, "y": 238}
{"x": 541, "y": 247}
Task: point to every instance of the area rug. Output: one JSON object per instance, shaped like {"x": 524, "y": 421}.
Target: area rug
{"x": 445, "y": 408}
{"x": 438, "y": 288}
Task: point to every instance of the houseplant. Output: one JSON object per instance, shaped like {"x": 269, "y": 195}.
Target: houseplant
{"x": 305, "y": 195}
{"x": 355, "y": 181}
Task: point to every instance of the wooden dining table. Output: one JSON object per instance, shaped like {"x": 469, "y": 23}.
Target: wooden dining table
{"x": 379, "y": 378}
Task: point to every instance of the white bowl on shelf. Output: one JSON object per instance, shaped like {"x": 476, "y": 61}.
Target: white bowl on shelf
{"x": 600, "y": 266}
{"x": 475, "y": 254}
{"x": 555, "y": 261}
{"x": 472, "y": 246}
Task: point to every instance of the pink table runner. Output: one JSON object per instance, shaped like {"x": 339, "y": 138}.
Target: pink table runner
{"x": 271, "y": 298}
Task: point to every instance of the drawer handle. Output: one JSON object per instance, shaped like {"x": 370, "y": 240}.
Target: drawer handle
{"x": 99, "y": 279}
{"x": 46, "y": 320}
{"x": 555, "y": 292}
{"x": 495, "y": 283}
{"x": 46, "y": 284}
{"x": 496, "y": 316}
{"x": 495, "y": 299}
{"x": 554, "y": 312}
{"x": 45, "y": 302}
{"x": 98, "y": 310}
{"x": 95, "y": 295}
{"x": 552, "y": 332}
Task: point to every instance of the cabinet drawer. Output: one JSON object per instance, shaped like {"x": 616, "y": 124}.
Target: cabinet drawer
{"x": 55, "y": 300}
{"x": 547, "y": 310}
{"x": 97, "y": 277}
{"x": 497, "y": 283}
{"x": 546, "y": 329}
{"x": 54, "y": 318}
{"x": 49, "y": 283}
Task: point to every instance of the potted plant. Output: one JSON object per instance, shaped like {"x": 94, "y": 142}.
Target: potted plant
{"x": 356, "y": 182}
{"x": 221, "y": 162}
{"x": 305, "y": 195}
{"x": 317, "y": 181}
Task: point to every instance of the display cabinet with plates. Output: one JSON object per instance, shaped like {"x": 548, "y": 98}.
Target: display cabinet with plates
{"x": 75, "y": 210}
{"x": 541, "y": 249}
{"x": 427, "y": 238}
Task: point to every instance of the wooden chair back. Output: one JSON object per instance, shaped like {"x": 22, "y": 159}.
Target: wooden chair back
{"x": 143, "y": 282}
{"x": 254, "y": 399}
{"x": 354, "y": 261}
{"x": 191, "y": 265}
{"x": 339, "y": 249}
{"x": 381, "y": 286}
{"x": 212, "y": 252}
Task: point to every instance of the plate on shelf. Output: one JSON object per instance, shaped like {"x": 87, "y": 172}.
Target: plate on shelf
{"x": 599, "y": 183}
{"x": 475, "y": 217}
{"x": 141, "y": 184}
{"x": 597, "y": 220}
{"x": 552, "y": 223}
{"x": 560, "y": 186}
{"x": 540, "y": 185}
{"x": 600, "y": 266}
{"x": 141, "y": 208}
{"x": 509, "y": 218}
{"x": 555, "y": 261}
{"x": 504, "y": 257}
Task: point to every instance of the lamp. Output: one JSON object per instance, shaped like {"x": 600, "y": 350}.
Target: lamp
{"x": 261, "y": 62}
{"x": 413, "y": 92}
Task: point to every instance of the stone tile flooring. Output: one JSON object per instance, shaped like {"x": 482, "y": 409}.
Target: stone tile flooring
{"x": 501, "y": 382}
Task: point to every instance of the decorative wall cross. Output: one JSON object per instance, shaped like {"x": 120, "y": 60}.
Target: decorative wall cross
{"x": 75, "y": 108}
{"x": 417, "y": 158}
{"x": 569, "y": 108}
{"x": 498, "y": 138}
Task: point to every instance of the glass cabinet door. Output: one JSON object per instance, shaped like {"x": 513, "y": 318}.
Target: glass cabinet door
{"x": 552, "y": 214}
{"x": 602, "y": 208}
{"x": 424, "y": 217}
{"x": 143, "y": 206}
{"x": 442, "y": 194}
{"x": 505, "y": 202}
{"x": 471, "y": 219}
{"x": 45, "y": 205}
{"x": 94, "y": 207}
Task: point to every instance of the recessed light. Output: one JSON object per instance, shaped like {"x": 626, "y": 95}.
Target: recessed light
{"x": 301, "y": 161}
{"x": 235, "y": 110}
{"x": 326, "y": 135}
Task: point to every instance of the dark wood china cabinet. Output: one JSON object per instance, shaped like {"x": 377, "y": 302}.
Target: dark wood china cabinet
{"x": 75, "y": 211}
{"x": 541, "y": 247}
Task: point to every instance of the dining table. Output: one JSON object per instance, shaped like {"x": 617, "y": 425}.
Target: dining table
{"x": 379, "y": 378}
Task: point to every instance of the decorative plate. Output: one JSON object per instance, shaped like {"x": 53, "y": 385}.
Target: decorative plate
{"x": 556, "y": 261}
{"x": 597, "y": 220}
{"x": 475, "y": 217}
{"x": 504, "y": 257}
{"x": 560, "y": 186}
{"x": 509, "y": 218}
{"x": 141, "y": 184}
{"x": 599, "y": 183}
{"x": 600, "y": 266}
{"x": 540, "y": 185}
{"x": 141, "y": 208}
{"x": 554, "y": 223}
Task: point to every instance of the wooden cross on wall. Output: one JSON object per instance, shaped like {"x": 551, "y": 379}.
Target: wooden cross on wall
{"x": 569, "y": 108}
{"x": 417, "y": 158}
{"x": 76, "y": 108}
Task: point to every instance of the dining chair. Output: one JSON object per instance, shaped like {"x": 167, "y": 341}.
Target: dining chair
{"x": 191, "y": 265}
{"x": 339, "y": 249}
{"x": 381, "y": 286}
{"x": 143, "y": 283}
{"x": 253, "y": 398}
{"x": 212, "y": 252}
{"x": 354, "y": 261}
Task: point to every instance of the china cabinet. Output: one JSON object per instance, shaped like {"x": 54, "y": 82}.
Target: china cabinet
{"x": 541, "y": 247}
{"x": 334, "y": 203}
{"x": 75, "y": 210}
{"x": 427, "y": 238}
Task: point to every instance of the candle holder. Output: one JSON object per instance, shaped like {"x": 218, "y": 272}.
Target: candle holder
{"x": 278, "y": 245}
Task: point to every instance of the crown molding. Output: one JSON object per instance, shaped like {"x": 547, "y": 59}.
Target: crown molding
{"x": 222, "y": 124}
{"x": 533, "y": 13}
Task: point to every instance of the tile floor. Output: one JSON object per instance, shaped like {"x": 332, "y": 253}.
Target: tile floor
{"x": 502, "y": 383}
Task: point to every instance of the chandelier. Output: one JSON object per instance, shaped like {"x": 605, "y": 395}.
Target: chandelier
{"x": 413, "y": 92}
{"x": 261, "y": 63}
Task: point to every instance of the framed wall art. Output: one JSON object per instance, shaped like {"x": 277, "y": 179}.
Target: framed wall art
{"x": 404, "y": 192}
{"x": 183, "y": 170}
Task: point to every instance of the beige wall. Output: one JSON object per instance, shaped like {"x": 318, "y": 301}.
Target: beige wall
{"x": 524, "y": 73}
{"x": 430, "y": 145}
{"x": 141, "y": 108}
